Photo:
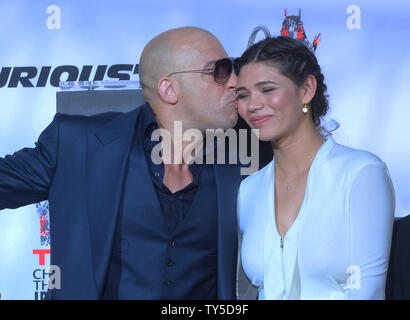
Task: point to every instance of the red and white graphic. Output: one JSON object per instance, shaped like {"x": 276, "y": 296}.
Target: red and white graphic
{"x": 43, "y": 214}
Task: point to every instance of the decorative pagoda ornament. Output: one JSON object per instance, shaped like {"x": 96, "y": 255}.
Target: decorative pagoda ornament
{"x": 292, "y": 26}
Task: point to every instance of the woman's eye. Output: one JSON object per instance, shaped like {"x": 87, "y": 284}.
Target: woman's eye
{"x": 241, "y": 96}
{"x": 267, "y": 89}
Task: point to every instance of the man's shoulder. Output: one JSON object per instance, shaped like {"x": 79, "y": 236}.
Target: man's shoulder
{"x": 81, "y": 120}
{"x": 95, "y": 120}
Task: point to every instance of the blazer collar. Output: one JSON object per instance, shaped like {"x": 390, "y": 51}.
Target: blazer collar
{"x": 104, "y": 198}
{"x": 227, "y": 184}
{"x": 323, "y": 152}
{"x": 108, "y": 146}
{"x": 122, "y": 124}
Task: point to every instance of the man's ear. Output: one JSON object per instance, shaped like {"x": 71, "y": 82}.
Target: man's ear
{"x": 167, "y": 90}
{"x": 309, "y": 89}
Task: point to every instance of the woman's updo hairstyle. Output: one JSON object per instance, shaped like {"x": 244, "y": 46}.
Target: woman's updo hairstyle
{"x": 293, "y": 59}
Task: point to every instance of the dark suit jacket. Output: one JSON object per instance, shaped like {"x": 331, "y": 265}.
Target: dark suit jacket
{"x": 398, "y": 275}
{"x": 78, "y": 165}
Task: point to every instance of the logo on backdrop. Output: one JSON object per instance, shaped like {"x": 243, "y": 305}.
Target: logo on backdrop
{"x": 30, "y": 76}
{"x": 44, "y": 278}
{"x": 43, "y": 214}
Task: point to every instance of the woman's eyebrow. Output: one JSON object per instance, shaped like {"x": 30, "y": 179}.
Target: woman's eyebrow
{"x": 240, "y": 88}
{"x": 261, "y": 83}
{"x": 258, "y": 84}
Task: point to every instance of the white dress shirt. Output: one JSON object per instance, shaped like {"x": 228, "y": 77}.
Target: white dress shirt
{"x": 338, "y": 246}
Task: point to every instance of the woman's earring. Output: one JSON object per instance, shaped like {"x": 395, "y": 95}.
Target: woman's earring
{"x": 305, "y": 108}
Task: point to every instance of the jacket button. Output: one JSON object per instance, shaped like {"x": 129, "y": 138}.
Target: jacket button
{"x": 170, "y": 263}
{"x": 171, "y": 244}
{"x": 167, "y": 282}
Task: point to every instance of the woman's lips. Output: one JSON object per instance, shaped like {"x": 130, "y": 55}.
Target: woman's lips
{"x": 258, "y": 121}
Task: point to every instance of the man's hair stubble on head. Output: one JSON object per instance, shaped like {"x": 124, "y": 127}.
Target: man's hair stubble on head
{"x": 168, "y": 52}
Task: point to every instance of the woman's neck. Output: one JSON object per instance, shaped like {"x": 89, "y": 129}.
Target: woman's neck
{"x": 294, "y": 154}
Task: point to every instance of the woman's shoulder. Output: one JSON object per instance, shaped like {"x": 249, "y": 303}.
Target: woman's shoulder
{"x": 354, "y": 158}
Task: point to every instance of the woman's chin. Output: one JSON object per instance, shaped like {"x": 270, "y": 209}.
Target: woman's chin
{"x": 263, "y": 136}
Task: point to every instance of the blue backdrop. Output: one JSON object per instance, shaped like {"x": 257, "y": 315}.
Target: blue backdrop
{"x": 364, "y": 53}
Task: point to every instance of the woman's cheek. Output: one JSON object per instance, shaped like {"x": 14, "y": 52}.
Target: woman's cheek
{"x": 242, "y": 110}
{"x": 277, "y": 100}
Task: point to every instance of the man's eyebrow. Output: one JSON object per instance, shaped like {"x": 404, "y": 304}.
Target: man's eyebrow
{"x": 210, "y": 64}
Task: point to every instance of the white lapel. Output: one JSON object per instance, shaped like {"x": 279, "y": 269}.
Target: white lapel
{"x": 281, "y": 273}
{"x": 279, "y": 264}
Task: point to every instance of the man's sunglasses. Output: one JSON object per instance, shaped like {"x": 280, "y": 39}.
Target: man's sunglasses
{"x": 221, "y": 71}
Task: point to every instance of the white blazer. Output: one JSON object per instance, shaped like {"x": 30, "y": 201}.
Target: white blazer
{"x": 338, "y": 246}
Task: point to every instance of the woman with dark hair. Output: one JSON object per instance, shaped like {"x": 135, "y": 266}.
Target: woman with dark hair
{"x": 316, "y": 222}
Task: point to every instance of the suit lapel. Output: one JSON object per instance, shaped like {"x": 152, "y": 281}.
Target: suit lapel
{"x": 108, "y": 148}
{"x": 227, "y": 184}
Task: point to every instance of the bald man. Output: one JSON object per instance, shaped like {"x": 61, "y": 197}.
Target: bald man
{"x": 122, "y": 225}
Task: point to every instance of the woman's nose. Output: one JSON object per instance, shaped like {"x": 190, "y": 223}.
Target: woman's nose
{"x": 254, "y": 104}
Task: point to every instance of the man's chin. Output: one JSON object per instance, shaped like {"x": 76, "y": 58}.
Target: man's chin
{"x": 234, "y": 120}
{"x": 230, "y": 121}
